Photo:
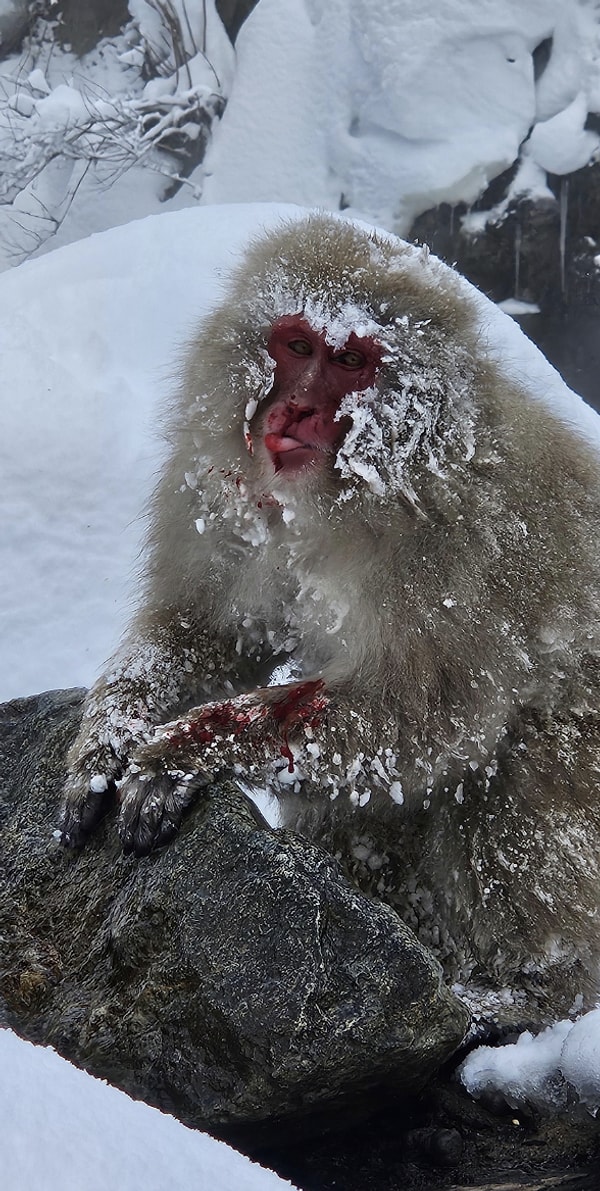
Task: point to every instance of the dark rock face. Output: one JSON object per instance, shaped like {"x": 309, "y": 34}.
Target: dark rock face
{"x": 538, "y": 250}
{"x": 233, "y": 13}
{"x": 232, "y": 978}
{"x": 15, "y": 19}
{"x": 82, "y": 26}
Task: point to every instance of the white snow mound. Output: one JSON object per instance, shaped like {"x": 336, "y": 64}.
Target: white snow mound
{"x": 63, "y": 1130}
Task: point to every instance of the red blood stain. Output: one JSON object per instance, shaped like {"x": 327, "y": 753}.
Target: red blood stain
{"x": 304, "y": 704}
{"x": 220, "y": 719}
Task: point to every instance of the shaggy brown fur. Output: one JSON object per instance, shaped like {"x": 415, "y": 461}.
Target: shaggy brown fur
{"x": 434, "y": 589}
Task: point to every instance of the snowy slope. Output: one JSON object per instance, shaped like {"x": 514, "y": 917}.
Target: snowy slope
{"x": 62, "y": 1130}
{"x": 87, "y": 336}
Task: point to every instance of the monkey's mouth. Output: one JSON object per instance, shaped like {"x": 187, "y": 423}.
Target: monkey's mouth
{"x": 289, "y": 454}
{"x": 280, "y": 444}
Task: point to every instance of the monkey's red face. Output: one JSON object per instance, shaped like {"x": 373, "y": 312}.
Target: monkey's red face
{"x": 311, "y": 378}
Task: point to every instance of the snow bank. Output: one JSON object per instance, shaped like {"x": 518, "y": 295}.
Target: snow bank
{"x": 390, "y": 107}
{"x": 384, "y": 107}
{"x": 62, "y": 1130}
{"x": 87, "y": 337}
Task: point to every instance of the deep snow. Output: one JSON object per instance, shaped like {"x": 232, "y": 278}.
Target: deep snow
{"x": 391, "y": 107}
{"x": 62, "y": 1130}
{"x": 385, "y": 107}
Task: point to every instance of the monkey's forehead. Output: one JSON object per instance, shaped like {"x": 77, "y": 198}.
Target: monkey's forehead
{"x": 336, "y": 323}
{"x": 347, "y": 279}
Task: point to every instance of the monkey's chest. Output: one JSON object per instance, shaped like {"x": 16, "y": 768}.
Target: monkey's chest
{"x": 303, "y": 630}
{"x": 290, "y": 610}
{"x": 287, "y": 646}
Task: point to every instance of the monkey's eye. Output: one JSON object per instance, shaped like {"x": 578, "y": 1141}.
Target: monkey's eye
{"x": 350, "y": 359}
{"x": 300, "y": 347}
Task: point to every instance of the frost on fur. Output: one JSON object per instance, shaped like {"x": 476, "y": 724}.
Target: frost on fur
{"x": 372, "y": 581}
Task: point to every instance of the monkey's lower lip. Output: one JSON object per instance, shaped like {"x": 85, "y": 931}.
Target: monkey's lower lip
{"x": 278, "y": 444}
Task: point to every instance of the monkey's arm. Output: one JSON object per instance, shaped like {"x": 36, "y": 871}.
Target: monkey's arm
{"x": 158, "y": 669}
{"x": 240, "y": 734}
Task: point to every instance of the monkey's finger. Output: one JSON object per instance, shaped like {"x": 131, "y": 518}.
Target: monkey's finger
{"x": 81, "y": 811}
{"x": 141, "y": 812}
{"x": 151, "y": 812}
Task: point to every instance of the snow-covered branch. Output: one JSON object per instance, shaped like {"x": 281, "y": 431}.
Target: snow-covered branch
{"x": 64, "y": 136}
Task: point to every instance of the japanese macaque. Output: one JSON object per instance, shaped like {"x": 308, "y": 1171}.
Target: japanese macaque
{"x": 372, "y": 581}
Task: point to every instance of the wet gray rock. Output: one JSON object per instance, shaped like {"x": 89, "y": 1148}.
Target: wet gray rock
{"x": 233, "y": 978}
{"x": 14, "y": 23}
{"x": 233, "y": 13}
{"x": 540, "y": 250}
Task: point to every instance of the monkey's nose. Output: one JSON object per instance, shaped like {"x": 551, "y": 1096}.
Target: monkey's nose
{"x": 297, "y": 410}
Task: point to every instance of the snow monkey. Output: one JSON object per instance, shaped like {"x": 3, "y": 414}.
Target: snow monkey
{"x": 372, "y": 580}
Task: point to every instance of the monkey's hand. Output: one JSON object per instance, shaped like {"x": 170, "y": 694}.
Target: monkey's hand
{"x": 114, "y": 725}
{"x": 181, "y": 757}
{"x": 154, "y": 671}
{"x": 96, "y": 762}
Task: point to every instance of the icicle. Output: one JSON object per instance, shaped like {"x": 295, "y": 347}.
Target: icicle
{"x": 518, "y": 239}
{"x": 562, "y": 241}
